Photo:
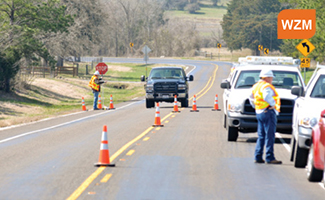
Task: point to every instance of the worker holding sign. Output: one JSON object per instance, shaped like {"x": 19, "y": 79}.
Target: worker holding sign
{"x": 95, "y": 83}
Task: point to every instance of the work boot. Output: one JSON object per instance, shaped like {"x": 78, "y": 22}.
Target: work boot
{"x": 277, "y": 162}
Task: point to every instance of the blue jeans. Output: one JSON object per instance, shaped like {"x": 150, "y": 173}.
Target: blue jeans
{"x": 95, "y": 99}
{"x": 266, "y": 135}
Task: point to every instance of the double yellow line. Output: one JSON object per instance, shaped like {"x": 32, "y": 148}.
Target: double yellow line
{"x": 94, "y": 175}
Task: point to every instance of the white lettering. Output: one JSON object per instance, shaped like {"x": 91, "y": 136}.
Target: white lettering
{"x": 287, "y": 23}
{"x": 305, "y": 25}
{"x": 298, "y": 21}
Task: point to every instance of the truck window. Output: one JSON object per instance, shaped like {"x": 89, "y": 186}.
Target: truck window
{"x": 319, "y": 88}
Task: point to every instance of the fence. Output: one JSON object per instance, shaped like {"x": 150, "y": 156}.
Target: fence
{"x": 48, "y": 72}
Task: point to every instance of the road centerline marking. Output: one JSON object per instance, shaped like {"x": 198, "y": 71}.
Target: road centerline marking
{"x": 106, "y": 178}
{"x": 130, "y": 152}
{"x": 91, "y": 178}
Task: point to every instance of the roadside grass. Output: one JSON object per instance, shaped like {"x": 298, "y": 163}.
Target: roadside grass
{"x": 36, "y": 102}
{"x": 204, "y": 12}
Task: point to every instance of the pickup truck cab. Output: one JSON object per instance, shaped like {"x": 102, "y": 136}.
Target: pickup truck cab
{"x": 165, "y": 82}
{"x": 239, "y": 115}
{"x": 306, "y": 115}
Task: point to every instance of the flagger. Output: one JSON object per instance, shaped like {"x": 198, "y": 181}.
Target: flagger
{"x": 95, "y": 83}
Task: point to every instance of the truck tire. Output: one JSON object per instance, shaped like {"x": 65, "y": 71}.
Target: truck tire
{"x": 301, "y": 157}
{"x": 313, "y": 174}
{"x": 232, "y": 134}
{"x": 150, "y": 103}
{"x": 184, "y": 103}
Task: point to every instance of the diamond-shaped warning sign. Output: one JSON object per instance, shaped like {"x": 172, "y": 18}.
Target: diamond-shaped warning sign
{"x": 305, "y": 47}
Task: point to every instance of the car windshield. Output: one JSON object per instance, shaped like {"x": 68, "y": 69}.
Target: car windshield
{"x": 282, "y": 79}
{"x": 166, "y": 73}
{"x": 319, "y": 88}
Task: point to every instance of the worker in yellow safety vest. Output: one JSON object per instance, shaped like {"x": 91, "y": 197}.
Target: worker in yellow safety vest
{"x": 266, "y": 101}
{"x": 95, "y": 83}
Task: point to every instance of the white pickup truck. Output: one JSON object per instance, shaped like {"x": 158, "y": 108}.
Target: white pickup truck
{"x": 306, "y": 111}
{"x": 239, "y": 115}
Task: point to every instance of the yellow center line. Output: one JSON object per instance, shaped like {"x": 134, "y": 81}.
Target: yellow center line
{"x": 106, "y": 178}
{"x": 130, "y": 152}
{"x": 94, "y": 175}
{"x": 214, "y": 77}
{"x": 146, "y": 139}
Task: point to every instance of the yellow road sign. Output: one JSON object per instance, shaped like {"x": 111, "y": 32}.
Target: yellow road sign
{"x": 219, "y": 45}
{"x": 266, "y": 51}
{"x": 131, "y": 44}
{"x": 305, "y": 62}
{"x": 260, "y": 47}
{"x": 305, "y": 47}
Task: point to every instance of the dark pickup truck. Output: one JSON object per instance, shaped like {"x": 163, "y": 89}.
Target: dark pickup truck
{"x": 165, "y": 82}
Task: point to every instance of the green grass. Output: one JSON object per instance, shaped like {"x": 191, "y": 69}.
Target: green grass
{"x": 204, "y": 12}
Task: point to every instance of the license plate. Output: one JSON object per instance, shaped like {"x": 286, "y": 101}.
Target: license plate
{"x": 165, "y": 96}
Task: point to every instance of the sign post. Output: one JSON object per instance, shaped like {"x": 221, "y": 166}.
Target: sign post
{"x": 305, "y": 47}
{"x": 146, "y": 50}
{"x": 219, "y": 46}
{"x": 102, "y": 69}
{"x": 131, "y": 45}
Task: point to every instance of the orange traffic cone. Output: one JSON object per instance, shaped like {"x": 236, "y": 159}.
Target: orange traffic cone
{"x": 99, "y": 102}
{"x": 216, "y": 105}
{"x": 157, "y": 117}
{"x": 194, "y": 109}
{"x": 104, "y": 152}
{"x": 111, "y": 105}
{"x": 175, "y": 105}
{"x": 83, "y": 104}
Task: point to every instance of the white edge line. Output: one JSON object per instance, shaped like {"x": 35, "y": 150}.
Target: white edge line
{"x": 63, "y": 124}
{"x": 289, "y": 149}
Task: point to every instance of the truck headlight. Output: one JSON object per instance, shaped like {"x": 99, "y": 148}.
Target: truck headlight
{"x": 234, "y": 107}
{"x": 149, "y": 87}
{"x": 308, "y": 121}
{"x": 182, "y": 87}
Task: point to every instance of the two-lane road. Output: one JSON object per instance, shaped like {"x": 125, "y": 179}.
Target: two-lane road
{"x": 188, "y": 158}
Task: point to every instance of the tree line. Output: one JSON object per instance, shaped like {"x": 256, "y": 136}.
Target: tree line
{"x": 34, "y": 31}
{"x": 249, "y": 23}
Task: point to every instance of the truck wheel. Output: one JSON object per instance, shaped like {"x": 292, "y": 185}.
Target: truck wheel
{"x": 184, "y": 103}
{"x": 301, "y": 157}
{"x": 150, "y": 103}
{"x": 313, "y": 174}
{"x": 232, "y": 134}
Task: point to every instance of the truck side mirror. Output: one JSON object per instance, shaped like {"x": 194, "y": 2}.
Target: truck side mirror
{"x": 191, "y": 78}
{"x": 143, "y": 77}
{"x": 297, "y": 90}
{"x": 225, "y": 85}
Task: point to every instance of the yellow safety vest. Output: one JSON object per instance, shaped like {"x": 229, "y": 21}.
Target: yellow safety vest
{"x": 258, "y": 96}
{"x": 93, "y": 84}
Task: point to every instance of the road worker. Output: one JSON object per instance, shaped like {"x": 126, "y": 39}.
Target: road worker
{"x": 266, "y": 101}
{"x": 95, "y": 83}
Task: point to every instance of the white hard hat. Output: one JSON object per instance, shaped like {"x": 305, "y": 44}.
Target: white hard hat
{"x": 96, "y": 73}
{"x": 266, "y": 73}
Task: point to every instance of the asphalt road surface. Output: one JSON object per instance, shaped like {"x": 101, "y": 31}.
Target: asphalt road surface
{"x": 188, "y": 158}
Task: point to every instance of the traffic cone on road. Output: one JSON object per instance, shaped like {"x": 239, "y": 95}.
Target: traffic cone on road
{"x": 175, "y": 105}
{"x": 194, "y": 108}
{"x": 157, "y": 117}
{"x": 111, "y": 105}
{"x": 216, "y": 105}
{"x": 99, "y": 102}
{"x": 104, "y": 152}
{"x": 83, "y": 105}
